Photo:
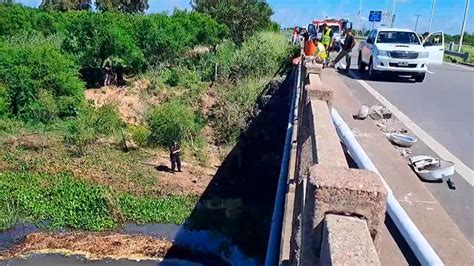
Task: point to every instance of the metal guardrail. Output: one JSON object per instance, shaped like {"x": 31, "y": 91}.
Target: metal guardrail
{"x": 463, "y": 56}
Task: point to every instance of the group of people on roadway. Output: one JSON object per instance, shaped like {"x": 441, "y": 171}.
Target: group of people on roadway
{"x": 318, "y": 49}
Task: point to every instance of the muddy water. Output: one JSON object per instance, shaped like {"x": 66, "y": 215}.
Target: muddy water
{"x": 231, "y": 222}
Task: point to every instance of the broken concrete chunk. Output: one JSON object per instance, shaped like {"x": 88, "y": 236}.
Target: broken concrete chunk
{"x": 363, "y": 112}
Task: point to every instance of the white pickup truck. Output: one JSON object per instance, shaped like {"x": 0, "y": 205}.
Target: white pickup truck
{"x": 400, "y": 52}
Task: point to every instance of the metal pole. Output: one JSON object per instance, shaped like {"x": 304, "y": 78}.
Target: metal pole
{"x": 463, "y": 25}
{"x": 393, "y": 12}
{"x": 416, "y": 24}
{"x": 433, "y": 4}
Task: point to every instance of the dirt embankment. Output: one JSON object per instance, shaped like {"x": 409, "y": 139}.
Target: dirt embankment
{"x": 130, "y": 101}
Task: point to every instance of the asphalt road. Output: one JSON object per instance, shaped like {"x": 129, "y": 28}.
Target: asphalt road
{"x": 443, "y": 107}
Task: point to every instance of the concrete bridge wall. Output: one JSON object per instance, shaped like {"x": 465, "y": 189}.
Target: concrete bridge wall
{"x": 333, "y": 214}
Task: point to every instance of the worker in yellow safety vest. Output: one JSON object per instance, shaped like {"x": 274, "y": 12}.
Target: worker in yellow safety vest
{"x": 321, "y": 53}
{"x": 327, "y": 36}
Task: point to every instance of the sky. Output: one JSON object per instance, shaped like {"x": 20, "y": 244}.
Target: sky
{"x": 447, "y": 17}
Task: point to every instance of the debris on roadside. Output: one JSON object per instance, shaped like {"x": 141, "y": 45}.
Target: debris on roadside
{"x": 376, "y": 112}
{"x": 404, "y": 152}
{"x": 402, "y": 140}
{"x": 433, "y": 169}
{"x": 390, "y": 126}
{"x": 363, "y": 113}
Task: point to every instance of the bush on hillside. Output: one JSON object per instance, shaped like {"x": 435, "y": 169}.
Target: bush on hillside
{"x": 234, "y": 108}
{"x": 261, "y": 55}
{"x": 91, "y": 124}
{"x": 33, "y": 66}
{"x": 173, "y": 121}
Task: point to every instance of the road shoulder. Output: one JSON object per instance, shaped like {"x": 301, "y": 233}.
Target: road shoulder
{"x": 425, "y": 211}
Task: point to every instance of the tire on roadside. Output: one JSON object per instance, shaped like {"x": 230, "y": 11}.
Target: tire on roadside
{"x": 360, "y": 64}
{"x": 419, "y": 77}
{"x": 373, "y": 74}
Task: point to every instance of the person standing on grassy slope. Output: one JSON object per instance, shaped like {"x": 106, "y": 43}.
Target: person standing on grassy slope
{"x": 175, "y": 157}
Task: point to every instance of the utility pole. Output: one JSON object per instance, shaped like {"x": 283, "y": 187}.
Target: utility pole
{"x": 463, "y": 25}
{"x": 433, "y": 4}
{"x": 393, "y": 13}
{"x": 416, "y": 24}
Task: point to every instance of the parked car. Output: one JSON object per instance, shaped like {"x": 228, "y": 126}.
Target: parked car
{"x": 400, "y": 52}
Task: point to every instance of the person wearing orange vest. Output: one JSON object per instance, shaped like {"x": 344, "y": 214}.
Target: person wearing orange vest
{"x": 315, "y": 50}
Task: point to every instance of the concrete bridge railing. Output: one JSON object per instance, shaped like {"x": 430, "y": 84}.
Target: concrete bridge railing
{"x": 333, "y": 214}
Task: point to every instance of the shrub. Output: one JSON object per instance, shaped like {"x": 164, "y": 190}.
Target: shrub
{"x": 80, "y": 133}
{"x": 43, "y": 110}
{"x": 173, "y": 121}
{"x": 3, "y": 101}
{"x": 90, "y": 124}
{"x": 140, "y": 134}
{"x": 235, "y": 106}
{"x": 106, "y": 120}
{"x": 35, "y": 74}
{"x": 260, "y": 55}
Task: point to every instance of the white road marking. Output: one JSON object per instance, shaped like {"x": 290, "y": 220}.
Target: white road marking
{"x": 432, "y": 73}
{"x": 463, "y": 170}
{"x": 461, "y": 66}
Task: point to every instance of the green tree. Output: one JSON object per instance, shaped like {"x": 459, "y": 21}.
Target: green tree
{"x": 66, "y": 5}
{"x": 125, "y": 6}
{"x": 243, "y": 17}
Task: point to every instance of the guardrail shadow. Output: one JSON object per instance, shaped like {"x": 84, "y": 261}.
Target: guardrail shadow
{"x": 238, "y": 202}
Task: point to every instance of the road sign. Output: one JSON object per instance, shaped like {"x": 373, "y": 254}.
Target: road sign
{"x": 375, "y": 16}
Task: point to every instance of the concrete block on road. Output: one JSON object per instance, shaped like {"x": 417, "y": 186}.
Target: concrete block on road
{"x": 346, "y": 241}
{"x": 339, "y": 190}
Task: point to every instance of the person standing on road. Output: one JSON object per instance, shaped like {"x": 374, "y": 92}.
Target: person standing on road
{"x": 349, "y": 43}
{"x": 175, "y": 157}
{"x": 327, "y": 36}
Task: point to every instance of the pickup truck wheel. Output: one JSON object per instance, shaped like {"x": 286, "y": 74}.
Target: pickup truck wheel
{"x": 360, "y": 64}
{"x": 372, "y": 72}
{"x": 420, "y": 77}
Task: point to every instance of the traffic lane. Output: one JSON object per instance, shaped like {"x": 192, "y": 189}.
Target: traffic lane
{"x": 457, "y": 203}
{"x": 442, "y": 105}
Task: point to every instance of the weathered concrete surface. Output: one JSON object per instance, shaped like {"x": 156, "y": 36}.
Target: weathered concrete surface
{"x": 346, "y": 240}
{"x": 427, "y": 214}
{"x": 313, "y": 68}
{"x": 321, "y": 94}
{"x": 339, "y": 190}
{"x": 328, "y": 147}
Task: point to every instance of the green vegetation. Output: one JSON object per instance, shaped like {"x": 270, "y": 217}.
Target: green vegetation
{"x": 58, "y": 201}
{"x": 40, "y": 83}
{"x": 173, "y": 121}
{"x": 61, "y": 156}
{"x": 243, "y": 17}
